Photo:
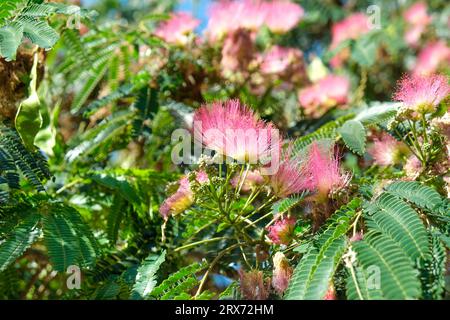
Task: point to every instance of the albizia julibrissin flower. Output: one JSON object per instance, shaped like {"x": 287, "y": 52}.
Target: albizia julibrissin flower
{"x": 252, "y": 179}
{"x": 282, "y": 15}
{"x": 237, "y": 52}
{"x": 282, "y": 231}
{"x": 324, "y": 169}
{"x": 422, "y": 93}
{"x": 233, "y": 130}
{"x": 282, "y": 273}
{"x": 417, "y": 19}
{"x": 386, "y": 150}
{"x": 285, "y": 63}
{"x": 176, "y": 29}
{"x": 326, "y": 93}
{"x": 352, "y": 27}
{"x": 227, "y": 16}
{"x": 291, "y": 176}
{"x": 431, "y": 57}
{"x": 183, "y": 198}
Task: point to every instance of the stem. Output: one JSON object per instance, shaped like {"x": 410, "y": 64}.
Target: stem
{"x": 193, "y": 244}
{"x": 211, "y": 266}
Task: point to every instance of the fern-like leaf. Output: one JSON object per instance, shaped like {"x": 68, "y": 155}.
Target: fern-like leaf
{"x": 146, "y": 276}
{"x": 397, "y": 277}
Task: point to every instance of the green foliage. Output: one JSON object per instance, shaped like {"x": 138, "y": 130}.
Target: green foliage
{"x": 18, "y": 240}
{"x": 145, "y": 278}
{"x": 313, "y": 274}
{"x": 20, "y": 18}
{"x": 178, "y": 284}
{"x": 16, "y": 160}
{"x": 287, "y": 204}
{"x": 398, "y": 279}
{"x": 69, "y": 241}
{"x": 354, "y": 136}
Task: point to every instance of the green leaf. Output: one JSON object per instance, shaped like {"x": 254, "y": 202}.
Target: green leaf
{"x": 359, "y": 286}
{"x": 19, "y": 240}
{"x": 39, "y": 32}
{"x": 287, "y": 204}
{"x": 397, "y": 277}
{"x": 364, "y": 51}
{"x": 379, "y": 112}
{"x": 354, "y": 136}
{"x": 422, "y": 196}
{"x": 313, "y": 274}
{"x": 146, "y": 276}
{"x": 68, "y": 239}
{"x": 398, "y": 220}
{"x": 10, "y": 39}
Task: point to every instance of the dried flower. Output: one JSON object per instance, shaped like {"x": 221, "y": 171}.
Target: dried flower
{"x": 176, "y": 29}
{"x": 282, "y": 231}
{"x": 413, "y": 167}
{"x": 183, "y": 198}
{"x": 282, "y": 273}
{"x": 253, "y": 285}
{"x": 237, "y": 52}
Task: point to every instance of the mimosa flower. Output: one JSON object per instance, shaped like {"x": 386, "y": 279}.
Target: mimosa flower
{"x": 417, "y": 19}
{"x": 282, "y": 231}
{"x": 253, "y": 285}
{"x": 253, "y": 179}
{"x": 237, "y": 52}
{"x": 386, "y": 151}
{"x": 328, "y": 92}
{"x": 233, "y": 130}
{"x": 431, "y": 57}
{"x": 282, "y": 273}
{"x": 228, "y": 16}
{"x": 324, "y": 167}
{"x": 176, "y": 29}
{"x": 351, "y": 27}
{"x": 282, "y": 16}
{"x": 422, "y": 93}
{"x": 183, "y": 198}
{"x": 413, "y": 167}
{"x": 286, "y": 63}
{"x": 443, "y": 125}
{"x": 291, "y": 176}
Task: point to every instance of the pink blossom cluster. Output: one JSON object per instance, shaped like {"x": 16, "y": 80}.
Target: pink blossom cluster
{"x": 227, "y": 16}
{"x": 422, "y": 93}
{"x": 177, "y": 28}
{"x": 350, "y": 28}
{"x": 431, "y": 57}
{"x": 417, "y": 19}
{"x": 326, "y": 93}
